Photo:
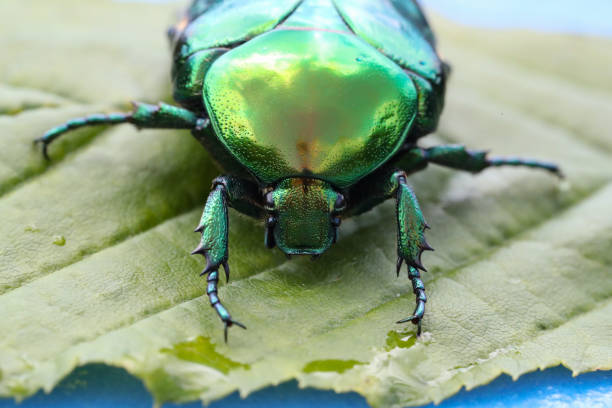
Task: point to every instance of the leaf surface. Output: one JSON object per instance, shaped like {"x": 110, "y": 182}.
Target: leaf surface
{"x": 94, "y": 263}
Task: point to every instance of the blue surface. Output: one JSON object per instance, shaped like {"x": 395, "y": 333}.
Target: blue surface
{"x": 99, "y": 386}
{"x": 592, "y": 17}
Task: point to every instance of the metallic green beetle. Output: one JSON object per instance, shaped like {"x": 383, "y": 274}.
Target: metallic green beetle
{"x": 313, "y": 109}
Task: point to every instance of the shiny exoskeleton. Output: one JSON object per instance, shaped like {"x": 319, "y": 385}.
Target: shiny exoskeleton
{"x": 313, "y": 110}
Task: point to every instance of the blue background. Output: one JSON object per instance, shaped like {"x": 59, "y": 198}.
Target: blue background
{"x": 591, "y": 17}
{"x": 99, "y": 386}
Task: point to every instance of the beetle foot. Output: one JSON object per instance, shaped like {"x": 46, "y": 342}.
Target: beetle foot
{"x": 418, "y": 288}
{"x": 212, "y": 291}
{"x": 417, "y": 320}
{"x": 229, "y": 323}
{"x": 45, "y": 147}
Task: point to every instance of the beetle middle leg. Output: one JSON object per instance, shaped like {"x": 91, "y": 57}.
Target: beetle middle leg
{"x": 214, "y": 228}
{"x": 160, "y": 116}
{"x": 460, "y": 158}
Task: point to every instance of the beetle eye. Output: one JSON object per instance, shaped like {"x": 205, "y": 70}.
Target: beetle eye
{"x": 340, "y": 203}
{"x": 269, "y": 202}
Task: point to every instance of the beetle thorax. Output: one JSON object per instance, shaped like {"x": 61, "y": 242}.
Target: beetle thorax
{"x": 309, "y": 103}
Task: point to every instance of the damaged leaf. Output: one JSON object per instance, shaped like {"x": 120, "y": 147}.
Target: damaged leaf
{"x": 94, "y": 247}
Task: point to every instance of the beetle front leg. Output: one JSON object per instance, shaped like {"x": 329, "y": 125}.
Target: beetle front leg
{"x": 160, "y": 116}
{"x": 411, "y": 243}
{"x": 214, "y": 246}
{"x": 214, "y": 226}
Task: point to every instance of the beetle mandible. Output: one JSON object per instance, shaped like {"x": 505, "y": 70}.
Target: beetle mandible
{"x": 313, "y": 110}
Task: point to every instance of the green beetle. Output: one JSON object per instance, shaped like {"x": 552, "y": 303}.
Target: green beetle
{"x": 313, "y": 109}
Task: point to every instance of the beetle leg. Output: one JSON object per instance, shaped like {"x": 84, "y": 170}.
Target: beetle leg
{"x": 411, "y": 243}
{"x": 458, "y": 157}
{"x": 418, "y": 288}
{"x": 215, "y": 302}
{"x": 160, "y": 116}
{"x": 213, "y": 245}
{"x": 517, "y": 161}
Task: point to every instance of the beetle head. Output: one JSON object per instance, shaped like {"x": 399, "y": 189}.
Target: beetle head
{"x": 304, "y": 216}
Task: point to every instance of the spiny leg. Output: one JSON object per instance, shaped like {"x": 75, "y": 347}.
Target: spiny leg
{"x": 214, "y": 247}
{"x": 160, "y": 116}
{"x": 458, "y": 157}
{"x": 242, "y": 195}
{"x": 387, "y": 182}
{"x": 411, "y": 243}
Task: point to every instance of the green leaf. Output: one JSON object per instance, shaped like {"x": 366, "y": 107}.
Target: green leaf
{"x": 94, "y": 263}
